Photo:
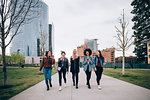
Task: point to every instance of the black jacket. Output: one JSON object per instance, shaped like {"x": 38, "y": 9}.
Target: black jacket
{"x": 74, "y": 65}
{"x": 63, "y": 64}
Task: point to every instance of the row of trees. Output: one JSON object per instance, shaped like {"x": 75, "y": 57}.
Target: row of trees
{"x": 15, "y": 58}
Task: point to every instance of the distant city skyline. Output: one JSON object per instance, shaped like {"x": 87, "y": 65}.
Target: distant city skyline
{"x": 76, "y": 20}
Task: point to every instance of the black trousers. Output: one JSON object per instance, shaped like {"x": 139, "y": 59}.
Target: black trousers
{"x": 98, "y": 73}
{"x": 75, "y": 76}
{"x": 63, "y": 71}
{"x": 88, "y": 76}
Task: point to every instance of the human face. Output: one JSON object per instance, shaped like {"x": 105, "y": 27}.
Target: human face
{"x": 87, "y": 53}
{"x": 49, "y": 54}
{"x": 74, "y": 52}
{"x": 97, "y": 53}
{"x": 63, "y": 55}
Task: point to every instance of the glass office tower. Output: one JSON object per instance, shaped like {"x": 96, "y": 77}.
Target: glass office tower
{"x": 92, "y": 44}
{"x": 27, "y": 42}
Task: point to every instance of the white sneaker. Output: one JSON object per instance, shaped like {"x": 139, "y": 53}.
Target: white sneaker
{"x": 59, "y": 88}
{"x": 99, "y": 87}
{"x": 65, "y": 85}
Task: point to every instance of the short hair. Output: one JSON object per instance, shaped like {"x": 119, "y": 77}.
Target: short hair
{"x": 89, "y": 50}
{"x": 63, "y": 52}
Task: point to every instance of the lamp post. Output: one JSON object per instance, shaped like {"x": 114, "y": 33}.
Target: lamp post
{"x": 18, "y": 52}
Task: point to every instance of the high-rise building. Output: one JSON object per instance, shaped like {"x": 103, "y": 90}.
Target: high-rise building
{"x": 51, "y": 38}
{"x": 28, "y": 41}
{"x": 92, "y": 44}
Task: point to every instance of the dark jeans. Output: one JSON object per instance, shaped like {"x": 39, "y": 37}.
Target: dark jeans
{"x": 88, "y": 76}
{"x": 47, "y": 74}
{"x": 75, "y": 75}
{"x": 98, "y": 74}
{"x": 60, "y": 76}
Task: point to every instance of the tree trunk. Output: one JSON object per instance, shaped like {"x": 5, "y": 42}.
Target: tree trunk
{"x": 4, "y": 62}
{"x": 4, "y": 71}
{"x": 123, "y": 63}
{"x": 123, "y": 45}
{"x": 3, "y": 46}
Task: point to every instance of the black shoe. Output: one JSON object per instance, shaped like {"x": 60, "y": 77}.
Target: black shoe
{"x": 47, "y": 88}
{"x": 76, "y": 86}
{"x": 50, "y": 84}
{"x": 89, "y": 86}
{"x": 73, "y": 84}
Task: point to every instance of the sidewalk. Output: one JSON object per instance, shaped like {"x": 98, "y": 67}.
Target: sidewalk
{"x": 112, "y": 89}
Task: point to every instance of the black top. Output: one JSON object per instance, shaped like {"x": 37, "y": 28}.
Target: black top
{"x": 63, "y": 64}
{"x": 74, "y": 65}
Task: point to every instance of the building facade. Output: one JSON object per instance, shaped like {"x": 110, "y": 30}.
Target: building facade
{"x": 28, "y": 40}
{"x": 92, "y": 44}
{"x": 148, "y": 51}
{"x": 80, "y": 51}
{"x": 51, "y": 38}
{"x": 109, "y": 54}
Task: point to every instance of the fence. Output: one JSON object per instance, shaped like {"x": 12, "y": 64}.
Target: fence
{"x": 127, "y": 65}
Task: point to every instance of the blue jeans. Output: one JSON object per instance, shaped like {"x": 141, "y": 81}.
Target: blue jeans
{"x": 47, "y": 73}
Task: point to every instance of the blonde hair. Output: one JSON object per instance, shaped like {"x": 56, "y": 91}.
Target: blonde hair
{"x": 73, "y": 54}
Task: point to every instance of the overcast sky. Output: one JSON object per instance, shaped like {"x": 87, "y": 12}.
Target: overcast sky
{"x": 76, "y": 20}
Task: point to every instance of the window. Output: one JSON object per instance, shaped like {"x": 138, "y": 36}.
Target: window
{"x": 32, "y": 60}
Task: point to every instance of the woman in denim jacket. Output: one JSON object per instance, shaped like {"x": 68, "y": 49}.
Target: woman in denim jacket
{"x": 88, "y": 64}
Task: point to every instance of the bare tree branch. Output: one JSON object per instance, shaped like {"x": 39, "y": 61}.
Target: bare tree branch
{"x": 124, "y": 41}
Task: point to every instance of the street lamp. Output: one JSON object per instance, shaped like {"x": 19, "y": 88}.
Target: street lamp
{"x": 18, "y": 51}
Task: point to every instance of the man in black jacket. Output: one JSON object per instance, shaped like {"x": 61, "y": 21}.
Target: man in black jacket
{"x": 62, "y": 68}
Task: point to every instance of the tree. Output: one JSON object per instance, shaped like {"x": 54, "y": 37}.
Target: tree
{"x": 123, "y": 40}
{"x": 17, "y": 58}
{"x": 13, "y": 14}
{"x": 141, "y": 19}
{"x": 43, "y": 40}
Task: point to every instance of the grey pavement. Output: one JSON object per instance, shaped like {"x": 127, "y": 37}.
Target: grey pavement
{"x": 112, "y": 89}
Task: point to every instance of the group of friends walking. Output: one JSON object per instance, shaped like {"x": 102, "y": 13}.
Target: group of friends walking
{"x": 63, "y": 67}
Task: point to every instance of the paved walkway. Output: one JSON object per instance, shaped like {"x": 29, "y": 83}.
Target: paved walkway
{"x": 112, "y": 89}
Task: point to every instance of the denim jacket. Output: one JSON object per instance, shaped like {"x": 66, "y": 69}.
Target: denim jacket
{"x": 85, "y": 64}
{"x": 95, "y": 61}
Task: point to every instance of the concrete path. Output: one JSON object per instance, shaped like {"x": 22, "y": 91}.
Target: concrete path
{"x": 112, "y": 89}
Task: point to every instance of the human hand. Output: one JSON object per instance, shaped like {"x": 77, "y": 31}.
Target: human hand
{"x": 95, "y": 69}
{"x": 61, "y": 58}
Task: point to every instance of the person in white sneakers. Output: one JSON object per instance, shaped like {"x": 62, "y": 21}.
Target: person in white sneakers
{"x": 98, "y": 63}
{"x": 62, "y": 68}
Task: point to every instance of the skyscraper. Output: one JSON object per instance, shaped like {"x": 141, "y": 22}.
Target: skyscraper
{"x": 51, "y": 38}
{"x": 28, "y": 40}
{"x": 92, "y": 44}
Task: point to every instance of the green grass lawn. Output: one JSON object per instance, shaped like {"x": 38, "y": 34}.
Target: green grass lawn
{"x": 18, "y": 80}
{"x": 134, "y": 76}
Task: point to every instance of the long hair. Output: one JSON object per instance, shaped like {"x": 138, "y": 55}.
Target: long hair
{"x": 73, "y": 54}
{"x": 46, "y": 54}
{"x": 100, "y": 54}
